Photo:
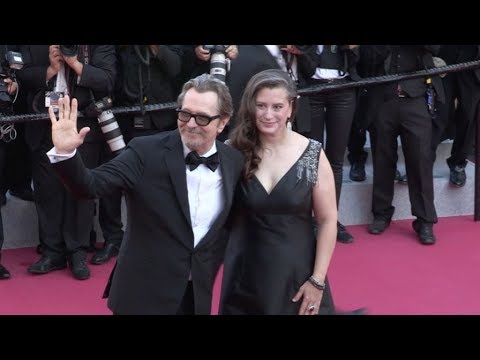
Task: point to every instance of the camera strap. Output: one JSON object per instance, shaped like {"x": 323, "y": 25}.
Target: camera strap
{"x": 61, "y": 81}
{"x": 289, "y": 59}
{"x": 86, "y": 54}
{"x": 86, "y": 60}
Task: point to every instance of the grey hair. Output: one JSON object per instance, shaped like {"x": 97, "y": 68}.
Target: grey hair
{"x": 205, "y": 83}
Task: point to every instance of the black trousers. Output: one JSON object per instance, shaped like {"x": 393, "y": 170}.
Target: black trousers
{"x": 409, "y": 118}
{"x": 334, "y": 112}
{"x": 358, "y": 130}
{"x": 110, "y": 207}
{"x": 187, "y": 306}
{"x": 18, "y": 172}
{"x": 356, "y": 144}
{"x": 443, "y": 124}
{"x": 1, "y": 231}
{"x": 467, "y": 90}
{"x": 64, "y": 220}
{"x": 2, "y": 167}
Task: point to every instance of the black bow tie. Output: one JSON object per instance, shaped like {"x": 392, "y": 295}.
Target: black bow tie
{"x": 193, "y": 160}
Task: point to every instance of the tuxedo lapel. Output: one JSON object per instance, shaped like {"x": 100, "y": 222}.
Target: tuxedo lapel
{"x": 227, "y": 168}
{"x": 176, "y": 166}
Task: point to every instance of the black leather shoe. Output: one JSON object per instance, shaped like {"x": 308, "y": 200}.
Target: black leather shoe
{"x": 47, "y": 264}
{"x": 39, "y": 249}
{"x": 3, "y": 199}
{"x": 403, "y": 180}
{"x": 103, "y": 255}
{"x": 4, "y": 273}
{"x": 24, "y": 194}
{"x": 378, "y": 226}
{"x": 357, "y": 171}
{"x": 343, "y": 235}
{"x": 78, "y": 265}
{"x": 92, "y": 241}
{"x": 398, "y": 175}
{"x": 424, "y": 231}
{"x": 458, "y": 177}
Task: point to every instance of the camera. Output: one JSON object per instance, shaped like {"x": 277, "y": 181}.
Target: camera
{"x": 13, "y": 61}
{"x": 218, "y": 61}
{"x": 108, "y": 124}
{"x": 69, "y": 50}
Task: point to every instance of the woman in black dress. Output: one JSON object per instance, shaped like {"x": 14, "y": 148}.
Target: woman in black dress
{"x": 276, "y": 262}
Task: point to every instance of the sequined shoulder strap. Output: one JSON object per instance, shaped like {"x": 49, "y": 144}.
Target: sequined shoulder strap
{"x": 308, "y": 164}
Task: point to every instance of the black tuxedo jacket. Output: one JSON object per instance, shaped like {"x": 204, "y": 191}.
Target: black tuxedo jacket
{"x": 157, "y": 254}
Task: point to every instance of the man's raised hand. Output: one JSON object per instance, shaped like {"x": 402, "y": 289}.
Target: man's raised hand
{"x": 65, "y": 136}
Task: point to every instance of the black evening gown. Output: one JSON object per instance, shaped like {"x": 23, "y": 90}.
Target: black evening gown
{"x": 276, "y": 235}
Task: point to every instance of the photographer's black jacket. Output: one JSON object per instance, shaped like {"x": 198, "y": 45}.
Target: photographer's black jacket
{"x": 397, "y": 59}
{"x": 143, "y": 77}
{"x": 346, "y": 60}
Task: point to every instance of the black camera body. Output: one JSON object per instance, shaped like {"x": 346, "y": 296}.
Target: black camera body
{"x": 13, "y": 61}
{"x": 69, "y": 50}
{"x": 218, "y": 61}
{"x": 216, "y": 48}
{"x": 108, "y": 124}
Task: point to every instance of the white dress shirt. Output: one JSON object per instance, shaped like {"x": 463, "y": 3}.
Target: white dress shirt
{"x": 326, "y": 74}
{"x": 205, "y": 195}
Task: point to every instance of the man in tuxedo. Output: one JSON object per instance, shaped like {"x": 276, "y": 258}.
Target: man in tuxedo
{"x": 179, "y": 188}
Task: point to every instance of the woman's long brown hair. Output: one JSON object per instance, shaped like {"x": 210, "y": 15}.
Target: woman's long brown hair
{"x": 245, "y": 135}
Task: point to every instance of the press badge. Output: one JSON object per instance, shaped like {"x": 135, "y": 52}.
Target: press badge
{"x": 51, "y": 99}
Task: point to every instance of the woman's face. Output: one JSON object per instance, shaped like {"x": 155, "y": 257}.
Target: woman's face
{"x": 273, "y": 109}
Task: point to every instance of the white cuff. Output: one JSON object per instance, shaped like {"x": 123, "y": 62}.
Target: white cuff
{"x": 55, "y": 157}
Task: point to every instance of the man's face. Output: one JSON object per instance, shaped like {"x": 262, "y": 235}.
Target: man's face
{"x": 195, "y": 137}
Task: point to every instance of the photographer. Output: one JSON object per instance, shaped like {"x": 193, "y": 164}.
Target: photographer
{"x": 9, "y": 88}
{"x": 203, "y": 55}
{"x": 147, "y": 75}
{"x": 17, "y": 173}
{"x": 332, "y": 111}
{"x": 400, "y": 109}
{"x": 86, "y": 72}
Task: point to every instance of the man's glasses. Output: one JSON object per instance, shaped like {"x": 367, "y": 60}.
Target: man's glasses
{"x": 201, "y": 120}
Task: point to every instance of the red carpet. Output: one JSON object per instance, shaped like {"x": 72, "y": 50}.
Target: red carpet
{"x": 393, "y": 273}
{"x": 387, "y": 274}
{"x": 56, "y": 293}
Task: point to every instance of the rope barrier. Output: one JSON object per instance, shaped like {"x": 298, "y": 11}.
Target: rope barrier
{"x": 376, "y": 80}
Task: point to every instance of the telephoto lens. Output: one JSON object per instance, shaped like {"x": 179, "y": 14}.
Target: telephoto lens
{"x": 218, "y": 66}
{"x": 108, "y": 124}
{"x": 69, "y": 50}
{"x": 218, "y": 61}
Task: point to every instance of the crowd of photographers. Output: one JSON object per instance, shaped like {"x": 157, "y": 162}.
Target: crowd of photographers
{"x": 105, "y": 76}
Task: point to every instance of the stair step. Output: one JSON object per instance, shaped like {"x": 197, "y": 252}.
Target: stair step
{"x": 356, "y": 200}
